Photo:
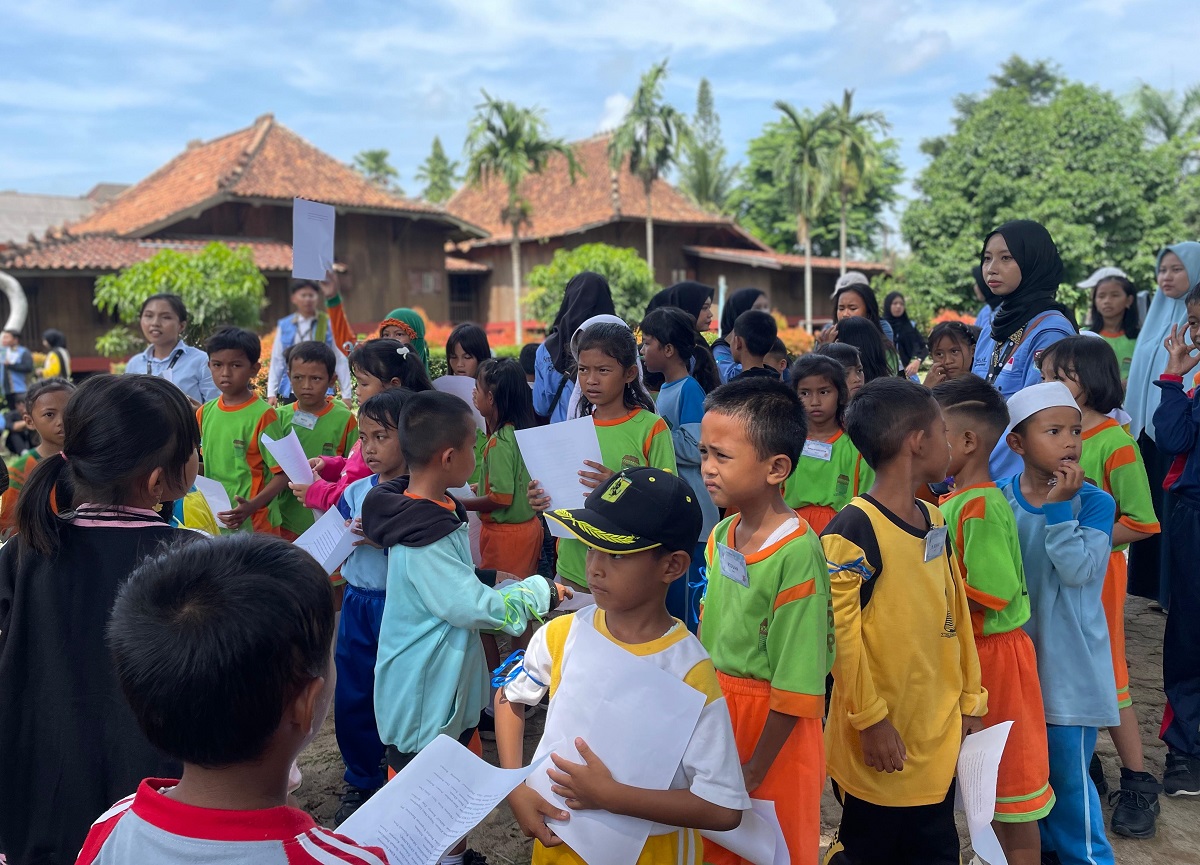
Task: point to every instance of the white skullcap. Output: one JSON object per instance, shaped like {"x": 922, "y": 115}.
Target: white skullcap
{"x": 849, "y": 278}
{"x": 1037, "y": 397}
{"x": 1101, "y": 275}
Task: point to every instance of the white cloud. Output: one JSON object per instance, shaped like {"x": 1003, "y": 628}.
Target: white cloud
{"x": 615, "y": 108}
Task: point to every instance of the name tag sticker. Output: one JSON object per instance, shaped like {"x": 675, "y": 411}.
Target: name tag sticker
{"x": 733, "y": 565}
{"x": 818, "y": 450}
{"x": 304, "y": 419}
{"x": 935, "y": 543}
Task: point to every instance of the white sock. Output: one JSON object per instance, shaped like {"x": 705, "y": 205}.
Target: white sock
{"x": 451, "y": 859}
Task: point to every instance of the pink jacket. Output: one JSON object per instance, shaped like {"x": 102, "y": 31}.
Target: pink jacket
{"x": 337, "y": 474}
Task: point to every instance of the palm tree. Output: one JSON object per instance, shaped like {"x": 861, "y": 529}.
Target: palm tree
{"x": 1166, "y": 116}
{"x": 651, "y": 135}
{"x": 857, "y": 156}
{"x": 805, "y": 166}
{"x": 511, "y": 143}
{"x": 375, "y": 167}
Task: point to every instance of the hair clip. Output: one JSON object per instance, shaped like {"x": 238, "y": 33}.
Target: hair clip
{"x": 402, "y": 351}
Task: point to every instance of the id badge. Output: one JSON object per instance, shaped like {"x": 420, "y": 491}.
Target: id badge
{"x": 935, "y": 543}
{"x": 818, "y": 450}
{"x": 733, "y": 565}
{"x": 304, "y": 419}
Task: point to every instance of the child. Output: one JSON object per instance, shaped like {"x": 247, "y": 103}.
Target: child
{"x": 430, "y": 676}
{"x": 19, "y": 436}
{"x": 1065, "y": 527}
{"x": 365, "y": 573}
{"x": 231, "y": 430}
{"x": 909, "y": 662}
{"x": 850, "y": 359}
{"x": 407, "y": 325}
{"x": 878, "y": 357}
{"x": 985, "y": 545}
{"x": 1112, "y": 461}
{"x": 528, "y": 360}
{"x": 952, "y": 350}
{"x": 777, "y": 358}
{"x": 668, "y": 341}
{"x": 307, "y": 323}
{"x": 46, "y": 403}
{"x": 324, "y": 426}
{"x": 466, "y": 348}
{"x": 1115, "y": 318}
{"x": 69, "y": 746}
{"x": 754, "y": 333}
{"x": 830, "y": 471}
{"x": 221, "y": 647}
{"x": 766, "y": 611}
{"x": 640, "y": 527}
{"x": 630, "y": 433}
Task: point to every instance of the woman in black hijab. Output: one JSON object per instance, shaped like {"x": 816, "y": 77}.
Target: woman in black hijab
{"x": 694, "y": 298}
{"x": 742, "y": 300}
{"x": 905, "y": 336}
{"x": 586, "y": 295}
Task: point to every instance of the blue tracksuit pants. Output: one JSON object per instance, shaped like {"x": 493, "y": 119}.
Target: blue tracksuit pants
{"x": 1074, "y": 828}
{"x": 354, "y": 692}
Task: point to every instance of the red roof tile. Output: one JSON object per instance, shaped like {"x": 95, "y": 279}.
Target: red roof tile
{"x": 462, "y": 265}
{"x": 779, "y": 260}
{"x": 98, "y": 252}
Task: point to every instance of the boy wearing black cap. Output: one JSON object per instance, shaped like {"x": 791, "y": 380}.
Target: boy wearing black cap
{"x": 639, "y": 527}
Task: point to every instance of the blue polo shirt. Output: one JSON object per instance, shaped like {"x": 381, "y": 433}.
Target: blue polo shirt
{"x": 185, "y": 366}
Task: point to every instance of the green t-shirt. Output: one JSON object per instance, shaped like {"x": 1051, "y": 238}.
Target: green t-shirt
{"x": 230, "y": 442}
{"x": 641, "y": 438}
{"x": 504, "y": 478}
{"x": 829, "y": 474}
{"x": 481, "y": 440}
{"x": 1112, "y": 461}
{"x": 988, "y": 549}
{"x": 1123, "y": 347}
{"x": 327, "y": 433}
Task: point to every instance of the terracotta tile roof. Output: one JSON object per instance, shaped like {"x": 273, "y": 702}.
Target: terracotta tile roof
{"x": 558, "y": 207}
{"x": 779, "y": 260}
{"x": 100, "y": 252}
{"x": 265, "y": 161}
{"x": 462, "y": 265}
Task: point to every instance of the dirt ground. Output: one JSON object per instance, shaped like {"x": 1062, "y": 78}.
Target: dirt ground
{"x": 1177, "y": 841}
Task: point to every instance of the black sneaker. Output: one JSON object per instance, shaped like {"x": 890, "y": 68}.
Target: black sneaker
{"x": 470, "y": 857}
{"x": 353, "y": 798}
{"x": 1135, "y": 805}
{"x": 487, "y": 728}
{"x": 1096, "y": 771}
{"x": 1182, "y": 777}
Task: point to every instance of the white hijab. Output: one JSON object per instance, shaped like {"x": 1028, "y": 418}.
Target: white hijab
{"x": 576, "y": 393}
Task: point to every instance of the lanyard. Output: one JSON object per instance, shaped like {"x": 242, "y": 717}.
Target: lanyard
{"x": 1002, "y": 354}
{"x": 171, "y": 361}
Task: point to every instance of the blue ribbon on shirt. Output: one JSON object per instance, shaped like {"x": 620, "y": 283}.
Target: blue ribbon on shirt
{"x": 511, "y": 669}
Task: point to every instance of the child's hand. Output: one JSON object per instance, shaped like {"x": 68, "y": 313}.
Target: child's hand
{"x": 914, "y": 366}
{"x": 538, "y": 500}
{"x": 585, "y": 787}
{"x": 1070, "y": 477}
{"x": 531, "y": 811}
{"x": 971, "y": 724}
{"x": 564, "y": 592}
{"x": 595, "y": 478}
{"x": 317, "y": 465}
{"x": 273, "y": 401}
{"x": 935, "y": 376}
{"x": 300, "y": 491}
{"x": 753, "y": 776}
{"x": 1179, "y": 347}
{"x": 883, "y": 749}
{"x": 356, "y": 529}
{"x": 233, "y": 519}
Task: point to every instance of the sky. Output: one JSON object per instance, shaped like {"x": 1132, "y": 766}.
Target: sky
{"x": 95, "y": 91}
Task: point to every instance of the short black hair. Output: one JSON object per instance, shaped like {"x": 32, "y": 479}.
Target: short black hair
{"x": 387, "y": 359}
{"x": 43, "y": 386}
{"x": 769, "y": 410}
{"x": 777, "y": 347}
{"x": 529, "y": 357}
{"x": 757, "y": 329}
{"x": 972, "y": 398}
{"x": 1192, "y": 298}
{"x": 212, "y": 638}
{"x": 431, "y": 422}
{"x": 172, "y": 300}
{"x": 386, "y": 407}
{"x": 471, "y": 339}
{"x": 15, "y": 334}
{"x": 884, "y": 413}
{"x": 298, "y": 284}
{"x": 843, "y": 352}
{"x": 957, "y": 331}
{"x": 816, "y": 365}
{"x": 1091, "y": 362}
{"x": 311, "y": 351}
{"x": 670, "y": 325}
{"x": 232, "y": 338}
{"x": 54, "y": 338}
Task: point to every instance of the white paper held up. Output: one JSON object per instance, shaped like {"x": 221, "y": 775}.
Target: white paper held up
{"x": 605, "y": 696}
{"x": 328, "y": 540}
{"x": 978, "y": 767}
{"x": 439, "y": 797}
{"x": 759, "y": 839}
{"x": 463, "y": 387}
{"x": 312, "y": 239}
{"x": 289, "y": 455}
{"x": 554, "y": 456}
{"x": 214, "y": 493}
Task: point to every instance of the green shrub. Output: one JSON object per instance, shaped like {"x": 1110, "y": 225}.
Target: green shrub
{"x": 628, "y": 275}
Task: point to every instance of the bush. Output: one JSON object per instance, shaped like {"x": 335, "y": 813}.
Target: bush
{"x": 628, "y": 276}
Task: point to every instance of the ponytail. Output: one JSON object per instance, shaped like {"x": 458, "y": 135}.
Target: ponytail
{"x": 37, "y": 523}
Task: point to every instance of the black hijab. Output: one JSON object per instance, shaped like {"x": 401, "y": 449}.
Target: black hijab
{"x": 908, "y": 340}
{"x": 688, "y": 296}
{"x": 1034, "y": 251}
{"x": 740, "y": 301}
{"x": 587, "y": 294}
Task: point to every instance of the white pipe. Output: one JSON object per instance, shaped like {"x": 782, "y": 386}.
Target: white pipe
{"x": 18, "y": 306}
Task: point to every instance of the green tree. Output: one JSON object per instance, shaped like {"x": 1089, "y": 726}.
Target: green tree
{"x": 1165, "y": 115}
{"x": 703, "y": 175}
{"x": 219, "y": 286}
{"x": 857, "y": 159}
{"x": 629, "y": 278}
{"x": 509, "y": 143}
{"x": 438, "y": 173}
{"x": 1069, "y": 159}
{"x": 375, "y": 167}
{"x": 651, "y": 135}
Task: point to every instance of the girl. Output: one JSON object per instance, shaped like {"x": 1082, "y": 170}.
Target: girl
{"x": 466, "y": 348}
{"x": 1110, "y": 459}
{"x": 45, "y": 406}
{"x": 830, "y": 471}
{"x": 70, "y": 746}
{"x": 905, "y": 336}
{"x": 58, "y": 359}
{"x": 740, "y": 301}
{"x": 586, "y": 295}
{"x": 163, "y": 319}
{"x": 694, "y": 298}
{"x": 1115, "y": 318}
{"x": 851, "y": 361}
{"x": 872, "y": 348}
{"x": 407, "y": 322}
{"x": 630, "y": 433}
{"x": 952, "y": 349}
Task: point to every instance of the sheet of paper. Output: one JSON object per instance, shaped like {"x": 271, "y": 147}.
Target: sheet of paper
{"x": 438, "y": 798}
{"x": 214, "y": 493}
{"x": 759, "y": 839}
{"x": 289, "y": 455}
{"x": 554, "y": 456}
{"x": 978, "y": 765}
{"x": 605, "y": 696}
{"x": 463, "y": 387}
{"x": 474, "y": 526}
{"x": 312, "y": 239}
{"x": 329, "y": 540}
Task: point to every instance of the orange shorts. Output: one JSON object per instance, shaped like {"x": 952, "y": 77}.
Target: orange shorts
{"x": 1009, "y": 671}
{"x": 511, "y": 547}
{"x": 1113, "y": 597}
{"x": 817, "y": 516}
{"x": 796, "y": 777}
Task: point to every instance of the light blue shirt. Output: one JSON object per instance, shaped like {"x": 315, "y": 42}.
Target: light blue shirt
{"x": 726, "y": 365}
{"x": 367, "y": 566}
{"x": 185, "y": 366}
{"x": 1065, "y": 548}
{"x": 681, "y": 405}
{"x": 546, "y": 380}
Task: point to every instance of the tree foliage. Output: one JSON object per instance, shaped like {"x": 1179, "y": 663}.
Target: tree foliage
{"x": 375, "y": 167}
{"x": 219, "y": 286}
{"x": 438, "y": 173}
{"x": 857, "y": 159}
{"x": 628, "y": 276}
{"x": 703, "y": 175}
{"x": 1167, "y": 116}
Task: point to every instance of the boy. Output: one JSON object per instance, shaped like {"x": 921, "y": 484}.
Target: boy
{"x": 430, "y": 676}
{"x": 1065, "y": 527}
{"x": 909, "y": 664}
{"x": 325, "y": 427}
{"x": 640, "y": 526}
{"x": 984, "y": 534}
{"x": 777, "y": 358}
{"x": 307, "y": 323}
{"x": 231, "y": 429}
{"x": 221, "y": 646}
{"x": 766, "y": 619}
{"x": 751, "y": 344}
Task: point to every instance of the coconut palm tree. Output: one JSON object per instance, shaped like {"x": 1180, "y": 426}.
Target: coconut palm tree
{"x": 857, "y": 157}
{"x": 510, "y": 143}
{"x": 652, "y": 135}
{"x": 1165, "y": 115}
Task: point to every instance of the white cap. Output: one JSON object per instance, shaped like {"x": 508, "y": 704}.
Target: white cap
{"x": 849, "y": 278}
{"x": 1101, "y": 275}
{"x": 1024, "y": 404}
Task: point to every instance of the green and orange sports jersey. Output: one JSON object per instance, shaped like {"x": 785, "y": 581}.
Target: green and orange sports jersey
{"x": 331, "y": 432}
{"x": 988, "y": 550}
{"x": 19, "y": 471}
{"x": 829, "y": 482}
{"x": 1122, "y": 346}
{"x": 1112, "y": 461}
{"x": 504, "y": 478}
{"x": 230, "y": 444}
